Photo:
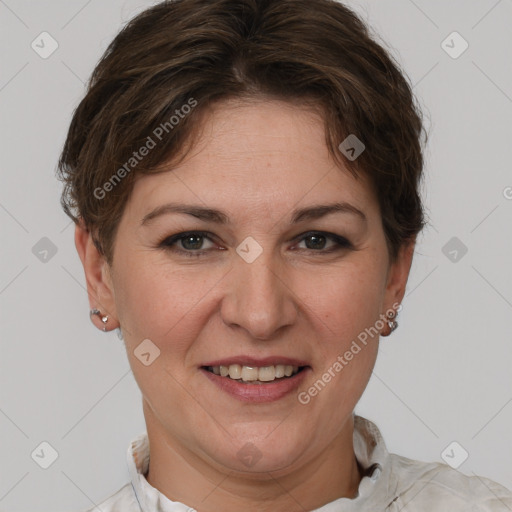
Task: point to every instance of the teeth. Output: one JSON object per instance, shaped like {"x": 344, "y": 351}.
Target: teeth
{"x": 279, "y": 371}
{"x": 249, "y": 373}
{"x": 253, "y": 373}
{"x": 267, "y": 373}
{"x": 235, "y": 371}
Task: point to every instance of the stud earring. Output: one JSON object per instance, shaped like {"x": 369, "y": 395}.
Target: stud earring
{"x": 391, "y": 324}
{"x": 103, "y": 318}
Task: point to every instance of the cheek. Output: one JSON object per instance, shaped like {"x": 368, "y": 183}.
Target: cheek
{"x": 158, "y": 302}
{"x": 345, "y": 304}
{"x": 159, "y": 305}
{"x": 347, "y": 299}
{"x": 345, "y": 347}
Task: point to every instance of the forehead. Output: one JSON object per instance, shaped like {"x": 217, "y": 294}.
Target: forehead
{"x": 260, "y": 156}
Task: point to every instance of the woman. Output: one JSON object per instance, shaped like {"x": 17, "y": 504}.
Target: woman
{"x": 244, "y": 178}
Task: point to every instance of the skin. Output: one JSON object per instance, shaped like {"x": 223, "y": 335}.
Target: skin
{"x": 257, "y": 161}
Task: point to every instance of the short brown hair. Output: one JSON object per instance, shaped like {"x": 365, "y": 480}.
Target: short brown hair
{"x": 196, "y": 52}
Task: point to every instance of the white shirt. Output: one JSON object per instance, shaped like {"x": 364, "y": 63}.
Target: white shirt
{"x": 392, "y": 483}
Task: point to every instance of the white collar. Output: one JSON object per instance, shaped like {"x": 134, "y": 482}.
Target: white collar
{"x": 369, "y": 447}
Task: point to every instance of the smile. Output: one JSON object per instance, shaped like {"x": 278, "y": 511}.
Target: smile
{"x": 256, "y": 380}
{"x": 255, "y": 374}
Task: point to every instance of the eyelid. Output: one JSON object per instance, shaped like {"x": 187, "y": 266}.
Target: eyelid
{"x": 170, "y": 241}
{"x": 327, "y": 234}
{"x": 339, "y": 241}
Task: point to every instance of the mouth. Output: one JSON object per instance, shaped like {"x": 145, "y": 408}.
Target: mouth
{"x": 255, "y": 374}
{"x": 256, "y": 381}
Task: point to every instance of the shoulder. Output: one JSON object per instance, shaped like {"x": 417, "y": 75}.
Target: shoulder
{"x": 421, "y": 486}
{"x": 123, "y": 500}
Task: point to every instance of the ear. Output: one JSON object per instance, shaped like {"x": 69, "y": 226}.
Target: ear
{"x": 98, "y": 277}
{"x": 398, "y": 274}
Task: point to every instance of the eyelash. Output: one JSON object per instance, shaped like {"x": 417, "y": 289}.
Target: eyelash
{"x": 169, "y": 242}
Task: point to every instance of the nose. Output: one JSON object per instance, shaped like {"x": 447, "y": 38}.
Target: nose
{"x": 259, "y": 298}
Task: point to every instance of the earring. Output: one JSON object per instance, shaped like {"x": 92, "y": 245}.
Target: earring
{"x": 391, "y": 324}
{"x": 104, "y": 318}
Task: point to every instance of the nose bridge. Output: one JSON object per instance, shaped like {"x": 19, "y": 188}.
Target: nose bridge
{"x": 259, "y": 300}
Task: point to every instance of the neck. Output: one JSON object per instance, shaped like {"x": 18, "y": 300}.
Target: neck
{"x": 183, "y": 476}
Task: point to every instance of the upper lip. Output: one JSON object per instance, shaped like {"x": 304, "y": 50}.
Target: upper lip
{"x": 256, "y": 361}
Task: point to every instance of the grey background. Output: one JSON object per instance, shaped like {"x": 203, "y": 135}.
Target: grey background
{"x": 443, "y": 376}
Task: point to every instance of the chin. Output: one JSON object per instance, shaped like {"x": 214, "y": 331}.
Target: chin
{"x": 255, "y": 456}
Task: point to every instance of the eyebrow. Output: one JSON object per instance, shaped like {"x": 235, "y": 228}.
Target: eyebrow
{"x": 219, "y": 217}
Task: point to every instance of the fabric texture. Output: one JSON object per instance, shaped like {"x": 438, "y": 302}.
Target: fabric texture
{"x": 392, "y": 483}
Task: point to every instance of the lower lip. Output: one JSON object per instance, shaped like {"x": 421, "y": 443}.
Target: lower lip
{"x": 257, "y": 393}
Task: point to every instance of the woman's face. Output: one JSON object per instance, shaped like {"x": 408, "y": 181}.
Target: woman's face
{"x": 273, "y": 275}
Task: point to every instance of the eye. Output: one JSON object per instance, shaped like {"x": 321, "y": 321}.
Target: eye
{"x": 199, "y": 243}
{"x": 319, "y": 241}
{"x": 190, "y": 243}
